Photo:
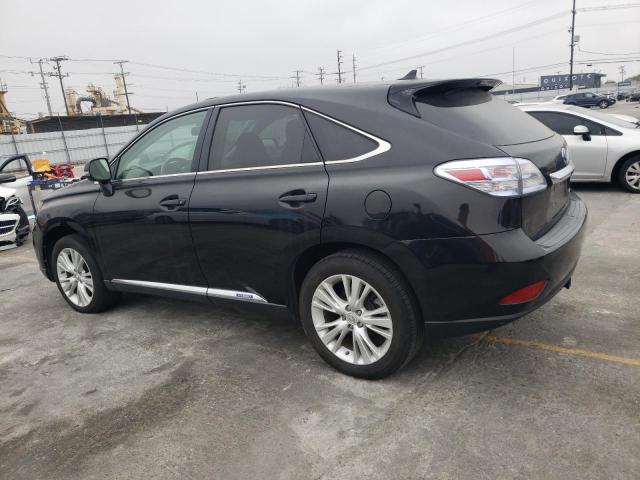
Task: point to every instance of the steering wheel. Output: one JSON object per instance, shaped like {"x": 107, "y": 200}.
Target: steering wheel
{"x": 175, "y": 165}
{"x": 133, "y": 168}
{"x": 168, "y": 153}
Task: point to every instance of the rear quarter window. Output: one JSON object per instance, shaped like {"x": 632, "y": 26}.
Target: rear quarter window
{"x": 337, "y": 142}
{"x": 479, "y": 115}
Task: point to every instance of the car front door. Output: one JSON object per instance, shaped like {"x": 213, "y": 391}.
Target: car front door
{"x": 18, "y": 167}
{"x": 258, "y": 201}
{"x": 588, "y": 154}
{"x": 142, "y": 229}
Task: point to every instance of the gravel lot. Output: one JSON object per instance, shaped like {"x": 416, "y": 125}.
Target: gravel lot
{"x": 159, "y": 388}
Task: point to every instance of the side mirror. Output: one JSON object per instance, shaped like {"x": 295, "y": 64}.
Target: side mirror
{"x": 582, "y": 130}
{"x": 6, "y": 178}
{"x": 98, "y": 171}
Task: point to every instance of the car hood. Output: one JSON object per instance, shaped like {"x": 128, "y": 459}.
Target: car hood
{"x": 6, "y": 192}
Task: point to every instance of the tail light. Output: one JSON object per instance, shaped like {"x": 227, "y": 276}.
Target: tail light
{"x": 500, "y": 177}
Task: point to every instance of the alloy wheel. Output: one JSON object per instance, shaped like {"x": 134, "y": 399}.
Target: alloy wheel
{"x": 632, "y": 175}
{"x": 352, "y": 319}
{"x": 75, "y": 277}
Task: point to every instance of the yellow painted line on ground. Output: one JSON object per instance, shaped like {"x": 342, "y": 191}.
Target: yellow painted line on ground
{"x": 20, "y": 257}
{"x": 558, "y": 349}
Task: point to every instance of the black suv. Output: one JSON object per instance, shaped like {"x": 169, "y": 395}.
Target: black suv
{"x": 588, "y": 99}
{"x": 373, "y": 214}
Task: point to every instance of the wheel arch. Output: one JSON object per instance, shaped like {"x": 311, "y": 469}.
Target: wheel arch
{"x": 307, "y": 259}
{"x": 616, "y": 168}
{"x": 59, "y": 229}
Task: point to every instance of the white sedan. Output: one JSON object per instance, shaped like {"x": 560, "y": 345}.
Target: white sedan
{"x": 603, "y": 148}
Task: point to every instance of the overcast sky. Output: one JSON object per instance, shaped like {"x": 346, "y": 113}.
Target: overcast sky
{"x": 271, "y": 38}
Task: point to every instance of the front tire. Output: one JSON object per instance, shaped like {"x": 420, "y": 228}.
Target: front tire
{"x": 629, "y": 175}
{"x": 23, "y": 226}
{"x": 78, "y": 276}
{"x": 360, "y": 314}
{"x": 603, "y": 104}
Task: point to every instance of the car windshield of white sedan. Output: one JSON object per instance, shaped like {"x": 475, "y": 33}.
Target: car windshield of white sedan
{"x": 605, "y": 117}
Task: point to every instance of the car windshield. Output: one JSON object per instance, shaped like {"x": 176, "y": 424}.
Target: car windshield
{"x": 605, "y": 117}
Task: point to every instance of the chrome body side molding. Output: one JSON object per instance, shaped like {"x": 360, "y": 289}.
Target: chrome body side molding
{"x": 188, "y": 289}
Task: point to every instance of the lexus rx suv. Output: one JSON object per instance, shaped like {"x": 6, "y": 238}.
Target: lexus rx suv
{"x": 374, "y": 214}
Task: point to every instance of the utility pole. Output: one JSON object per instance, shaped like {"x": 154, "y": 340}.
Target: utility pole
{"x": 421, "y": 67}
{"x": 124, "y": 82}
{"x": 513, "y": 72}
{"x": 573, "y": 26}
{"x": 339, "y": 66}
{"x": 241, "y": 87}
{"x": 353, "y": 60}
{"x": 622, "y": 70}
{"x": 321, "y": 75}
{"x": 58, "y": 73}
{"x": 43, "y": 85}
{"x": 297, "y": 77}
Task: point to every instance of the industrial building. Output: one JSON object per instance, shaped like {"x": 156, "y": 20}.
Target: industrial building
{"x": 83, "y": 122}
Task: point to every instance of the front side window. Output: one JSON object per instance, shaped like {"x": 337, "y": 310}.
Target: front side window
{"x": 563, "y": 124}
{"x": 166, "y": 150}
{"x": 261, "y": 135}
{"x": 17, "y": 167}
{"x": 337, "y": 142}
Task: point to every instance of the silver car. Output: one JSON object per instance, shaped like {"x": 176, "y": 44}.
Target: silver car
{"x": 602, "y": 147}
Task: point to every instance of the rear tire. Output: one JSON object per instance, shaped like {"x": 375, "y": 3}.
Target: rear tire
{"x": 371, "y": 333}
{"x": 78, "y": 276}
{"x": 629, "y": 175}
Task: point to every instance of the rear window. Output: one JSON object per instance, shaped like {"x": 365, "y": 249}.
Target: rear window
{"x": 477, "y": 114}
{"x": 337, "y": 142}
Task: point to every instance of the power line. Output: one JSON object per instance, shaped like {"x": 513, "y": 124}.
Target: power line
{"x": 609, "y": 7}
{"x": 468, "y": 42}
{"x": 457, "y": 26}
{"x": 607, "y": 53}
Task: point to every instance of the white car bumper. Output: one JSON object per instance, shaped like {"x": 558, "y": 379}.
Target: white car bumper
{"x": 8, "y": 225}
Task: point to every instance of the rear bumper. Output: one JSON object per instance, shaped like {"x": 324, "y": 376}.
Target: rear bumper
{"x": 460, "y": 281}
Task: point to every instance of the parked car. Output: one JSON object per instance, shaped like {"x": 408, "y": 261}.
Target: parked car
{"x": 14, "y": 223}
{"x": 633, "y": 97}
{"x": 20, "y": 168}
{"x": 626, "y": 118}
{"x": 602, "y": 147}
{"x": 588, "y": 99}
{"x": 372, "y": 213}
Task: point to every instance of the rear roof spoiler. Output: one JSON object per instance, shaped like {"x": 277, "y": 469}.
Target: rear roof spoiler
{"x": 402, "y": 94}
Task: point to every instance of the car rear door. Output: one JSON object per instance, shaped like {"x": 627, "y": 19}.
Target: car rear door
{"x": 589, "y": 155}
{"x": 142, "y": 230}
{"x": 258, "y": 201}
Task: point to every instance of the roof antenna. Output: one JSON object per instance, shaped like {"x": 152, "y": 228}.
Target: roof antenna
{"x": 412, "y": 75}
